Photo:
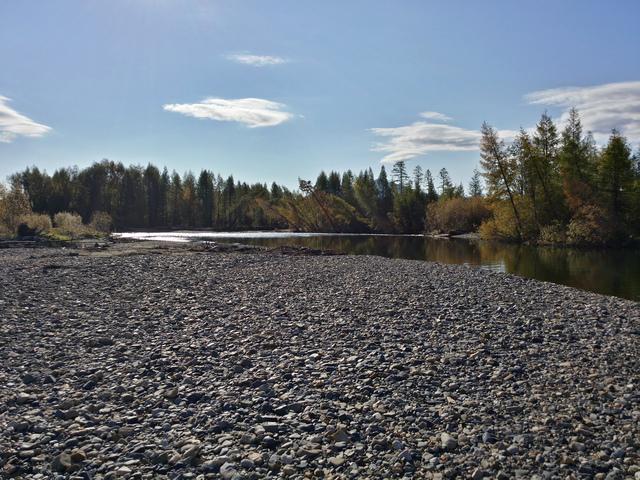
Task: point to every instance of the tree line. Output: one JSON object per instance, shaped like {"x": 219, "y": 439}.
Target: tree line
{"x": 560, "y": 187}
{"x": 144, "y": 197}
{"x": 546, "y": 186}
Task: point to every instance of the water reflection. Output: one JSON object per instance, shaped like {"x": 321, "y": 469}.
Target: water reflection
{"x": 611, "y": 272}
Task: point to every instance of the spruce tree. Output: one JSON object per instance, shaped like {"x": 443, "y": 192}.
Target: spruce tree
{"x": 418, "y": 176}
{"x": 400, "y": 176}
{"x": 322, "y": 182}
{"x": 385, "y": 194}
{"x": 333, "y": 183}
{"x": 475, "y": 185}
{"x": 432, "y": 194}
{"x": 446, "y": 187}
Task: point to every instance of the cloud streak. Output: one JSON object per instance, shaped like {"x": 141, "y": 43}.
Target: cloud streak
{"x": 436, "y": 116}
{"x": 601, "y": 107}
{"x": 252, "y": 112}
{"x": 257, "y": 60}
{"x": 14, "y": 124}
{"x": 419, "y": 138}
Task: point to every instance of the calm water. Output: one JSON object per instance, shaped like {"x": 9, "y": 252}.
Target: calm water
{"x": 611, "y": 272}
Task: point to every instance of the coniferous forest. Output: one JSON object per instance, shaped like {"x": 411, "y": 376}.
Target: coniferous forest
{"x": 546, "y": 185}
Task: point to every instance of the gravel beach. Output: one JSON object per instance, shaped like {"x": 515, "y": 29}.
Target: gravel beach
{"x": 149, "y": 362}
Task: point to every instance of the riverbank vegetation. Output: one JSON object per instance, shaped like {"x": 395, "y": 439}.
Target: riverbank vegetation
{"x": 17, "y": 218}
{"x": 545, "y": 186}
{"x": 555, "y": 187}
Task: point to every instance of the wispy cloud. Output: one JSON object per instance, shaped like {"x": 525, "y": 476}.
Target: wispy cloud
{"x": 257, "y": 60}
{"x": 419, "y": 138}
{"x": 14, "y": 124}
{"x": 601, "y": 107}
{"x": 436, "y": 116}
{"x": 253, "y": 112}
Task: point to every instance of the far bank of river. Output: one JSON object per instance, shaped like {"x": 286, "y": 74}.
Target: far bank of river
{"x": 607, "y": 271}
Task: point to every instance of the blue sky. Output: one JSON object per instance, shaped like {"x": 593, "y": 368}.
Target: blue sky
{"x": 294, "y": 87}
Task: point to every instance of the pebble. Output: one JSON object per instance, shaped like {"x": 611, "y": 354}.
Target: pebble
{"x": 175, "y": 362}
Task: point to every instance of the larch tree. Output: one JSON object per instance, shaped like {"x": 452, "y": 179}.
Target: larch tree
{"x": 499, "y": 170}
{"x": 545, "y": 164}
{"x": 615, "y": 174}
{"x": 575, "y": 163}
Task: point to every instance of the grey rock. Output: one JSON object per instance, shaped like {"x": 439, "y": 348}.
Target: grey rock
{"x": 447, "y": 442}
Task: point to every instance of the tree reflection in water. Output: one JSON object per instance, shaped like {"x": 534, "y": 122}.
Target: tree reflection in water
{"x": 611, "y": 272}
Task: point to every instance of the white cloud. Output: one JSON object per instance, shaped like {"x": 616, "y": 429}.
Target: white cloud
{"x": 14, "y": 124}
{"x": 419, "y": 138}
{"x": 253, "y": 112}
{"x": 601, "y": 107}
{"x": 257, "y": 60}
{"x": 436, "y": 116}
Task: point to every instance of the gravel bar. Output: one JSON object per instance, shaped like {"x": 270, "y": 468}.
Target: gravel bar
{"x": 172, "y": 363}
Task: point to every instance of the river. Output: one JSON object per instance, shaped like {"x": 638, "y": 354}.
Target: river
{"x": 607, "y": 271}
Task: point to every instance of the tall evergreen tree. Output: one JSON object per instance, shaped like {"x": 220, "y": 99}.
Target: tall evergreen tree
{"x": 527, "y": 182}
{"x": 205, "y": 198}
{"x": 385, "y": 194}
{"x": 175, "y": 208}
{"x": 62, "y": 183}
{"x": 366, "y": 195}
{"x": 322, "y": 182}
{"x": 475, "y": 185}
{"x": 432, "y": 194}
{"x": 152, "y": 187}
{"x": 165, "y": 185}
{"x": 276, "y": 191}
{"x": 576, "y": 163}
{"x": 545, "y": 165}
{"x": 229, "y": 199}
{"x": 346, "y": 187}
{"x": 333, "y": 183}
{"x": 615, "y": 174}
{"x": 133, "y": 204}
{"x": 190, "y": 207}
{"x": 400, "y": 176}
{"x": 418, "y": 176}
{"x": 446, "y": 187}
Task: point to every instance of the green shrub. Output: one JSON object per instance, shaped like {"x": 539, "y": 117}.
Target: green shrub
{"x": 457, "y": 214}
{"x": 101, "y": 222}
{"x": 14, "y": 203}
{"x": 589, "y": 226}
{"x": 67, "y": 220}
{"x": 553, "y": 234}
{"x": 503, "y": 225}
{"x": 69, "y": 224}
